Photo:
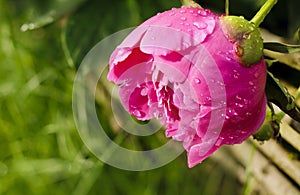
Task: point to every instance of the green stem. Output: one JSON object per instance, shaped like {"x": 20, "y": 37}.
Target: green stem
{"x": 190, "y": 3}
{"x": 227, "y": 7}
{"x": 263, "y": 12}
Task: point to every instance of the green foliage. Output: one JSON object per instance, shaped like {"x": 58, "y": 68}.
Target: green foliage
{"x": 280, "y": 96}
{"x": 282, "y": 48}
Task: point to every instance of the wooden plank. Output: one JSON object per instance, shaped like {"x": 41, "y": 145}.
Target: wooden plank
{"x": 290, "y": 135}
{"x": 281, "y": 158}
{"x": 266, "y": 175}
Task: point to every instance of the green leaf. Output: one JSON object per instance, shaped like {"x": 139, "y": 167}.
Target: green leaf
{"x": 56, "y": 10}
{"x": 91, "y": 23}
{"x": 280, "y": 96}
{"x": 96, "y": 20}
{"x": 297, "y": 35}
{"x": 290, "y": 59}
{"x": 282, "y": 48}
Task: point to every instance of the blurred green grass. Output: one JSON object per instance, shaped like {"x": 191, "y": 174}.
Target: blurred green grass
{"x": 40, "y": 149}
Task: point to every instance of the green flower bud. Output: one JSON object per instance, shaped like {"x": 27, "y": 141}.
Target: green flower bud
{"x": 248, "y": 43}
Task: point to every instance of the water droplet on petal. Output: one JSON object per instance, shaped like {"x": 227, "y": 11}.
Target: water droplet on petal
{"x": 208, "y": 98}
{"x": 251, "y": 83}
{"x": 243, "y": 132}
{"x": 197, "y": 80}
{"x": 236, "y": 74}
{"x": 238, "y": 97}
{"x": 232, "y": 112}
{"x": 202, "y": 12}
{"x": 182, "y": 11}
{"x": 246, "y": 102}
{"x": 158, "y": 14}
{"x": 171, "y": 13}
{"x": 137, "y": 113}
{"x": 219, "y": 141}
{"x": 228, "y": 58}
{"x": 200, "y": 25}
{"x": 248, "y": 113}
{"x": 144, "y": 91}
{"x": 256, "y": 75}
{"x": 239, "y": 105}
{"x": 152, "y": 38}
{"x": 183, "y": 18}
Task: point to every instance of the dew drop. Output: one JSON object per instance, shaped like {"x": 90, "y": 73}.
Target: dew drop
{"x": 251, "y": 83}
{"x": 200, "y": 25}
{"x": 137, "y": 113}
{"x": 197, "y": 80}
{"x": 219, "y": 141}
{"x": 248, "y": 113}
{"x": 238, "y": 97}
{"x": 169, "y": 24}
{"x": 144, "y": 91}
{"x": 232, "y": 112}
{"x": 189, "y": 30}
{"x": 228, "y": 58}
{"x": 182, "y": 11}
{"x": 246, "y": 102}
{"x": 152, "y": 38}
{"x": 171, "y": 13}
{"x": 243, "y": 132}
{"x": 202, "y": 12}
{"x": 239, "y": 105}
{"x": 221, "y": 83}
{"x": 208, "y": 98}
{"x": 256, "y": 75}
{"x": 183, "y": 18}
{"x": 158, "y": 13}
{"x": 236, "y": 74}
{"x": 191, "y": 11}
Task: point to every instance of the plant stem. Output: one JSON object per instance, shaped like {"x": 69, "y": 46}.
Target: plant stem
{"x": 263, "y": 12}
{"x": 190, "y": 3}
{"x": 227, "y": 7}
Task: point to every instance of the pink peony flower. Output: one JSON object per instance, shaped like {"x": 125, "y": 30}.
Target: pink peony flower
{"x": 184, "y": 67}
